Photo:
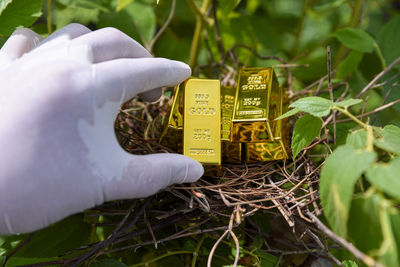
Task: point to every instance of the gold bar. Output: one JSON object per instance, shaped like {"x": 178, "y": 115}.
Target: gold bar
{"x": 202, "y": 121}
{"x": 231, "y": 152}
{"x": 259, "y": 100}
{"x": 172, "y": 135}
{"x": 256, "y": 152}
{"x": 250, "y": 117}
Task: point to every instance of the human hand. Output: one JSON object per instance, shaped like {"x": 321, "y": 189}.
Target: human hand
{"x": 59, "y": 98}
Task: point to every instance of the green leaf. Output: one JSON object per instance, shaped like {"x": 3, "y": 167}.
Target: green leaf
{"x": 108, "y": 263}
{"x": 3, "y": 5}
{"x": 349, "y": 264}
{"x": 77, "y": 14}
{"x": 316, "y": 106}
{"x": 137, "y": 20}
{"x": 364, "y": 224}
{"x": 227, "y": 6}
{"x": 389, "y": 40}
{"x": 19, "y": 13}
{"x": 348, "y": 102}
{"x": 58, "y": 238}
{"x": 266, "y": 259}
{"x": 349, "y": 64}
{"x": 388, "y": 253}
{"x": 356, "y": 39}
{"x": 121, "y": 4}
{"x": 288, "y": 114}
{"x": 357, "y": 139}
{"x": 305, "y": 130}
{"x": 390, "y": 140}
{"x": 338, "y": 176}
{"x": 385, "y": 176}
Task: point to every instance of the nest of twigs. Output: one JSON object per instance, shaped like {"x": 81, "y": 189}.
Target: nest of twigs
{"x": 219, "y": 206}
{"x": 286, "y": 189}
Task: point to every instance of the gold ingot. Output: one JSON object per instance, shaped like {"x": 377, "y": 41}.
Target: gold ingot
{"x": 256, "y": 152}
{"x": 231, "y": 152}
{"x": 202, "y": 121}
{"x": 172, "y": 135}
{"x": 259, "y": 100}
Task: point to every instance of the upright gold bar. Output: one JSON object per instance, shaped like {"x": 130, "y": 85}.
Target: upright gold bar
{"x": 202, "y": 121}
{"x": 259, "y": 100}
{"x": 172, "y": 135}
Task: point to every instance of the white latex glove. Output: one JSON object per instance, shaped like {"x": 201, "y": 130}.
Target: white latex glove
{"x": 58, "y": 101}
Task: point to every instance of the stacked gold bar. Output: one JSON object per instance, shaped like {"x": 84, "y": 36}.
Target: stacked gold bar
{"x": 259, "y": 100}
{"x": 212, "y": 124}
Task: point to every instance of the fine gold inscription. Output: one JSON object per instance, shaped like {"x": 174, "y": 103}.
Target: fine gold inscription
{"x": 202, "y": 121}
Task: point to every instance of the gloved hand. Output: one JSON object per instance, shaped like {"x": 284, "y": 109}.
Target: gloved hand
{"x": 58, "y": 101}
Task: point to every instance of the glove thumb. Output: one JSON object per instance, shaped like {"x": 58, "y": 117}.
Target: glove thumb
{"x": 143, "y": 176}
{"x": 20, "y": 42}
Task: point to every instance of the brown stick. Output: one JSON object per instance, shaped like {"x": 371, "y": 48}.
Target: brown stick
{"x": 380, "y": 75}
{"x": 360, "y": 255}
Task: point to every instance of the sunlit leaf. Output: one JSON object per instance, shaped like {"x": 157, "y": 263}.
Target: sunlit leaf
{"x": 289, "y": 113}
{"x": 386, "y": 177}
{"x": 357, "y": 139}
{"x": 316, "y": 106}
{"x": 19, "y": 13}
{"x": 390, "y": 140}
{"x": 3, "y": 5}
{"x": 338, "y": 177}
{"x": 364, "y": 226}
{"x": 305, "y": 130}
{"x": 349, "y": 264}
{"x": 348, "y": 102}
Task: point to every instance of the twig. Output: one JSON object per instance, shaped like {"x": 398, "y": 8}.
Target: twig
{"x": 360, "y": 255}
{"x": 20, "y": 245}
{"x": 377, "y": 77}
{"x": 388, "y": 105}
{"x": 113, "y": 237}
{"x": 331, "y": 92}
{"x": 162, "y": 29}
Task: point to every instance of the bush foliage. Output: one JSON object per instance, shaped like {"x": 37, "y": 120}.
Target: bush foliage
{"x": 357, "y": 113}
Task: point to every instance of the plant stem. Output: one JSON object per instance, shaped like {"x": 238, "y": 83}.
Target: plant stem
{"x": 368, "y": 128}
{"x": 380, "y": 56}
{"x": 201, "y": 19}
{"x": 161, "y": 257}
{"x": 196, "y": 251}
{"x": 49, "y": 17}
{"x": 351, "y": 116}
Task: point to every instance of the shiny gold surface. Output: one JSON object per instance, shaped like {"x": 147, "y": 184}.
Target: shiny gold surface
{"x": 258, "y": 102}
{"x": 202, "y": 120}
{"x": 227, "y": 105}
{"x": 172, "y": 135}
{"x": 256, "y": 152}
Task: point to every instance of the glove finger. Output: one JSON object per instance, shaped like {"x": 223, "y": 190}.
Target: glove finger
{"x": 68, "y": 32}
{"x": 152, "y": 95}
{"x": 20, "y": 42}
{"x": 110, "y": 43}
{"x": 122, "y": 79}
{"x": 145, "y": 175}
